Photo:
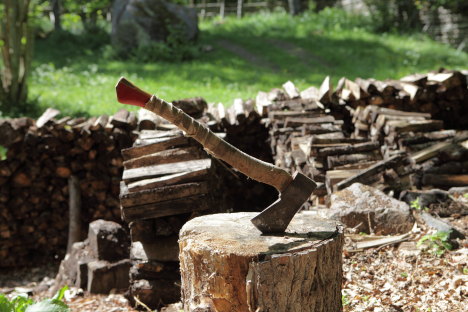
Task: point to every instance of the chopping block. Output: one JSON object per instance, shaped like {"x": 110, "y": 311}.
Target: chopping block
{"x": 228, "y": 265}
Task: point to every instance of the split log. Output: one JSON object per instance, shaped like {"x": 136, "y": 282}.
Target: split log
{"x": 157, "y": 145}
{"x": 372, "y": 171}
{"x": 171, "y": 179}
{"x": 148, "y": 172}
{"x": 228, "y": 265}
{"x": 166, "y": 208}
{"x": 165, "y": 193}
{"x": 165, "y": 157}
{"x": 445, "y": 179}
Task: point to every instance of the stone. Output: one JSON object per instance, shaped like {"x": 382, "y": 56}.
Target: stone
{"x": 108, "y": 241}
{"x": 441, "y": 225}
{"x": 70, "y": 270}
{"x": 104, "y": 276}
{"x": 458, "y": 191}
{"x": 162, "y": 249}
{"x": 139, "y": 22}
{"x": 439, "y": 202}
{"x": 358, "y": 205}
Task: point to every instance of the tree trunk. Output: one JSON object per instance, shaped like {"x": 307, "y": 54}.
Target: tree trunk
{"x": 228, "y": 265}
{"x": 56, "y": 11}
{"x": 74, "y": 226}
{"x": 17, "y": 37}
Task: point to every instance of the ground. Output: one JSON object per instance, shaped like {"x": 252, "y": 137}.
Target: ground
{"x": 390, "y": 278}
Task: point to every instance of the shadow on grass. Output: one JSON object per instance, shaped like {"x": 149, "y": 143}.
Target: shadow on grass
{"x": 223, "y": 74}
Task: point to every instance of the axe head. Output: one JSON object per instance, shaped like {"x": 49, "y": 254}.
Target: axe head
{"x": 276, "y": 217}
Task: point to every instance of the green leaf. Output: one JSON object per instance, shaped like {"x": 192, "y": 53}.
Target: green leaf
{"x": 61, "y": 293}
{"x": 5, "y": 304}
{"x": 48, "y": 305}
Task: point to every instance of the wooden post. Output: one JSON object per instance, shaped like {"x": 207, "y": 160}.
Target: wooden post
{"x": 228, "y": 265}
{"x": 240, "y": 4}
{"x": 222, "y": 6}
{"x": 74, "y": 226}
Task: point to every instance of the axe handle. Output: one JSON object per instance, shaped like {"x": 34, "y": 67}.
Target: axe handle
{"x": 252, "y": 167}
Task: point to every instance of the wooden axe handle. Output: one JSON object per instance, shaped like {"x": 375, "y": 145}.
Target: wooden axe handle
{"x": 254, "y": 168}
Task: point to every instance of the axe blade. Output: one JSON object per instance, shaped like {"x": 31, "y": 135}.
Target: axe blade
{"x": 276, "y": 217}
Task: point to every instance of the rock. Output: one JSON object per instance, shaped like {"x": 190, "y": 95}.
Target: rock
{"x": 458, "y": 191}
{"x": 70, "y": 272}
{"x": 140, "y": 22}
{"x": 437, "y": 201}
{"x": 358, "y": 203}
{"x": 104, "y": 276}
{"x": 441, "y": 225}
{"x": 108, "y": 241}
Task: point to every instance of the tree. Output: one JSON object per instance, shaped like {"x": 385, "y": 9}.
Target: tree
{"x": 57, "y": 12}
{"x": 16, "y": 42}
{"x": 87, "y": 10}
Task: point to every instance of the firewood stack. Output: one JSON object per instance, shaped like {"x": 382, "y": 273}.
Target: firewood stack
{"x": 443, "y": 162}
{"x": 168, "y": 179}
{"x": 41, "y": 157}
{"x": 442, "y": 94}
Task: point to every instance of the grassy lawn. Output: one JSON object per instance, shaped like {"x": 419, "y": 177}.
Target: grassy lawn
{"x": 75, "y": 76}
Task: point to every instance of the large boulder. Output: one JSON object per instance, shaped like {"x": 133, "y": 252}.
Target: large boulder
{"x": 360, "y": 206}
{"x": 140, "y": 22}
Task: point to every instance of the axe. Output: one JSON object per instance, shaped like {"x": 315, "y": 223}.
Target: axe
{"x": 293, "y": 190}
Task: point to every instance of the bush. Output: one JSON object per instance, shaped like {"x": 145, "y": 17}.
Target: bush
{"x": 176, "y": 48}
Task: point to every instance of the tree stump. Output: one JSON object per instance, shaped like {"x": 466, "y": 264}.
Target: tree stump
{"x": 228, "y": 265}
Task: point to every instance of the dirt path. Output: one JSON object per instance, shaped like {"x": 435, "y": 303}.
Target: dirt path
{"x": 248, "y": 55}
{"x": 306, "y": 57}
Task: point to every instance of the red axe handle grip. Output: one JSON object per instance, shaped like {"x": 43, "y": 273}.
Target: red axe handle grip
{"x": 256, "y": 169}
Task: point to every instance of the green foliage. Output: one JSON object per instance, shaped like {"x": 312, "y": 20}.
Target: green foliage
{"x": 404, "y": 15}
{"x": 22, "y": 303}
{"x": 3, "y": 152}
{"x": 176, "y": 48}
{"x": 16, "y": 46}
{"x": 438, "y": 243}
{"x": 415, "y": 204}
{"x": 78, "y": 77}
{"x": 345, "y": 300}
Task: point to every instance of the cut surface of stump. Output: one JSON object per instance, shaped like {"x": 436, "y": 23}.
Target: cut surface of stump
{"x": 229, "y": 265}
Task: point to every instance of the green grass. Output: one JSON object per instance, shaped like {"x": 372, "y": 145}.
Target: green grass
{"x": 74, "y": 75}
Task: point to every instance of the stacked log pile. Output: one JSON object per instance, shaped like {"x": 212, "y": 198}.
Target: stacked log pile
{"x": 435, "y": 152}
{"x": 443, "y": 163}
{"x": 307, "y": 137}
{"x": 443, "y": 94}
{"x": 41, "y": 157}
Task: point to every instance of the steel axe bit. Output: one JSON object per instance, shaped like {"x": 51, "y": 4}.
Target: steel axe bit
{"x": 293, "y": 190}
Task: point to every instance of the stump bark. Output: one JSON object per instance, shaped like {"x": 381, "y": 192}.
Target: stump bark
{"x": 228, "y": 265}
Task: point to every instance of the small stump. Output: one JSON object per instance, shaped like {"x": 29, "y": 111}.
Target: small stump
{"x": 228, "y": 265}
